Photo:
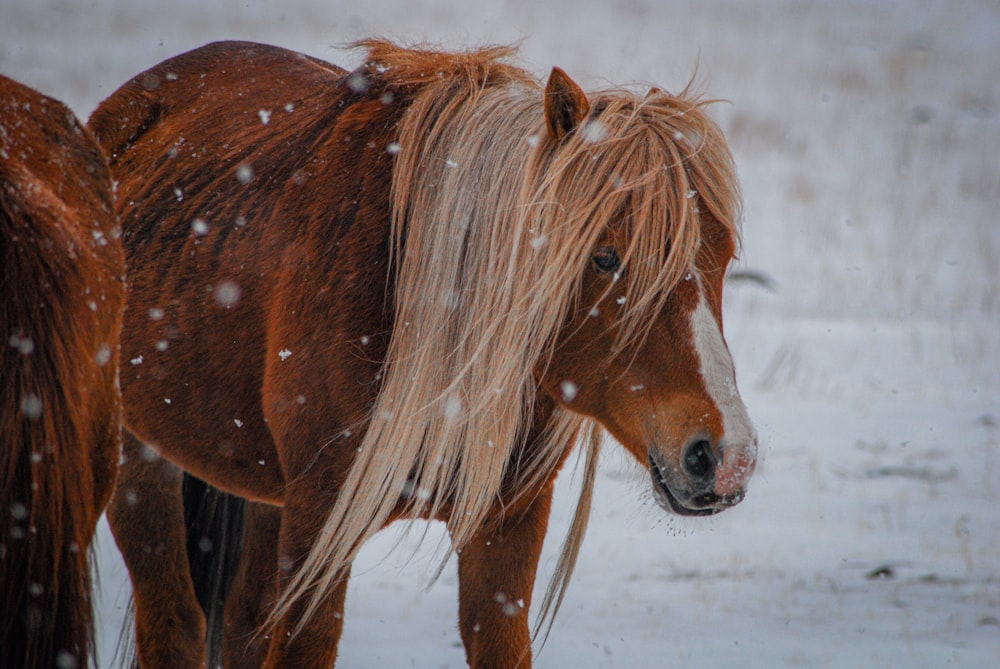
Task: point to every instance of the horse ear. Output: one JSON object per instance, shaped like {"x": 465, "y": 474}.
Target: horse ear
{"x": 566, "y": 104}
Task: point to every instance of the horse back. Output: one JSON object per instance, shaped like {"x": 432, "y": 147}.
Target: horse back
{"x": 253, "y": 191}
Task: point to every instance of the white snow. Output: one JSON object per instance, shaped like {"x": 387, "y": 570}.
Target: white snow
{"x": 227, "y": 293}
{"x": 244, "y": 173}
{"x": 594, "y": 132}
{"x": 867, "y": 136}
{"x": 569, "y": 390}
{"x": 31, "y": 406}
{"x": 104, "y": 353}
{"x": 24, "y": 345}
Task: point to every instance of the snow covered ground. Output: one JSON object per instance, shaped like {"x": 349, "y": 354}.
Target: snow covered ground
{"x": 867, "y": 135}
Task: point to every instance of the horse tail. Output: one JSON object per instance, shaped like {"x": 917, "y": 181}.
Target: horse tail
{"x": 46, "y": 613}
{"x": 61, "y": 297}
{"x": 214, "y": 521}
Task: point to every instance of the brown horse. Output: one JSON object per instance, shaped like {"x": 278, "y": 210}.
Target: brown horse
{"x": 61, "y": 300}
{"x": 406, "y": 292}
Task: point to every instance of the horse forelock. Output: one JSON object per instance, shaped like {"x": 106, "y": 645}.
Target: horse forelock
{"x": 493, "y": 225}
{"x": 652, "y": 169}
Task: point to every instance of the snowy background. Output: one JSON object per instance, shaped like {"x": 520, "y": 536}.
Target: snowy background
{"x": 867, "y": 135}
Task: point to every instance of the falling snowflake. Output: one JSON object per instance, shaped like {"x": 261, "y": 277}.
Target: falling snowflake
{"x": 358, "y": 82}
{"x": 227, "y": 293}
{"x": 31, "y": 406}
{"x": 594, "y": 132}
{"x": 24, "y": 345}
{"x": 569, "y": 390}
{"x": 104, "y": 354}
{"x": 453, "y": 408}
{"x": 244, "y": 173}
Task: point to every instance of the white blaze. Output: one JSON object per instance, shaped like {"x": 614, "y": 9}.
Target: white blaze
{"x": 719, "y": 377}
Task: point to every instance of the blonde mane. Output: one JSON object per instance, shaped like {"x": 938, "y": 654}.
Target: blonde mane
{"x": 493, "y": 225}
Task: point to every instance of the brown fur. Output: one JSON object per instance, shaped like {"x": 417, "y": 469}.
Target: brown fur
{"x": 61, "y": 299}
{"x": 413, "y": 258}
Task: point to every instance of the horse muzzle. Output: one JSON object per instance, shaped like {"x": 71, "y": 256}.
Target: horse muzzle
{"x": 705, "y": 480}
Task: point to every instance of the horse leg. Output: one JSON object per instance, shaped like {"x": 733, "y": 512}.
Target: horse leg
{"x": 496, "y": 574}
{"x": 146, "y": 515}
{"x": 314, "y": 646}
{"x": 106, "y": 453}
{"x": 252, "y": 592}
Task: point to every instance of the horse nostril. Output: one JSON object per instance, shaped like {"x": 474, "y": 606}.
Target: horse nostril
{"x": 699, "y": 461}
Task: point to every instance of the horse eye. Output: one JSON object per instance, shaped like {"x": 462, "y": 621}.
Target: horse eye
{"x": 606, "y": 260}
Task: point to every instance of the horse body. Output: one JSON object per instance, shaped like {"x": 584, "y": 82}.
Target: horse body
{"x": 404, "y": 292}
{"x": 192, "y": 218}
{"x": 61, "y": 301}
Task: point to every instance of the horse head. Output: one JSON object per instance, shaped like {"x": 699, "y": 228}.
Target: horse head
{"x": 650, "y": 185}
